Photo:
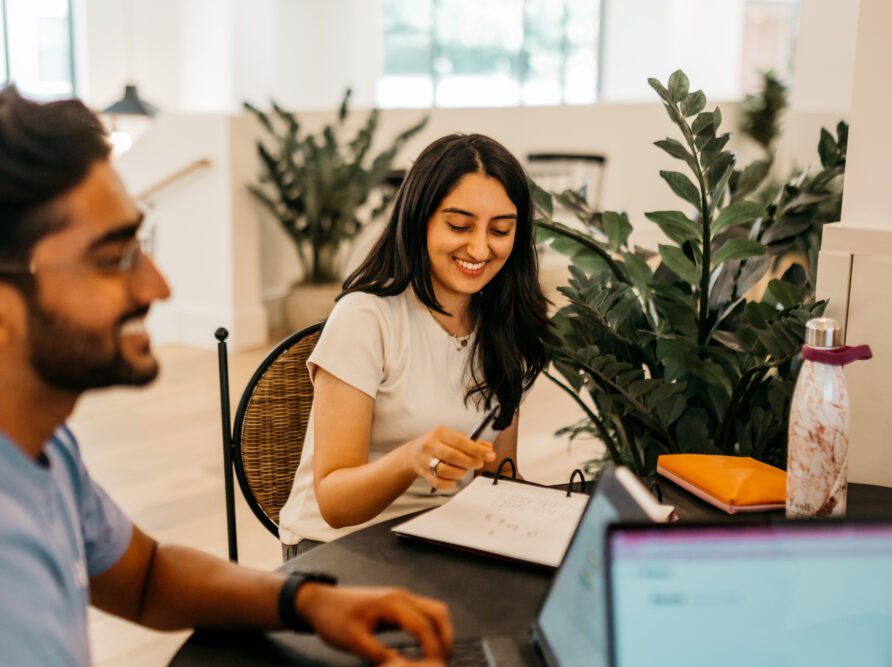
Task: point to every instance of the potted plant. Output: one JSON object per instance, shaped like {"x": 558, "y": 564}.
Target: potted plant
{"x": 316, "y": 186}
{"x": 671, "y": 351}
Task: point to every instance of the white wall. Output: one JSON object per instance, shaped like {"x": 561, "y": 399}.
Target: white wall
{"x": 652, "y": 38}
{"x": 208, "y": 240}
{"x": 825, "y": 56}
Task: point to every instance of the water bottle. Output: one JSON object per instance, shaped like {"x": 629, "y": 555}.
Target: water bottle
{"x": 818, "y": 439}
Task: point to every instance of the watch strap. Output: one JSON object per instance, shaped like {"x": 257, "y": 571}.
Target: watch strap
{"x": 288, "y": 615}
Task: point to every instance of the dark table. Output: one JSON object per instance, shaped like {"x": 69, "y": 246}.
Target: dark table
{"x": 486, "y": 596}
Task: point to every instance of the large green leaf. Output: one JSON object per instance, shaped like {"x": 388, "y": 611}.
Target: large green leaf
{"x": 693, "y": 104}
{"x": 703, "y": 123}
{"x": 739, "y": 213}
{"x": 682, "y": 186}
{"x": 639, "y": 272}
{"x": 676, "y": 225}
{"x": 752, "y": 177}
{"x": 712, "y": 148}
{"x": 783, "y": 293}
{"x": 676, "y": 260}
{"x": 678, "y": 86}
{"x": 737, "y": 249}
{"x": 617, "y": 227}
{"x": 676, "y": 150}
{"x": 542, "y": 200}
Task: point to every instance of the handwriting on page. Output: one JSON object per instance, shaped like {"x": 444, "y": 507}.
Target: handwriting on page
{"x": 511, "y": 519}
{"x": 526, "y": 525}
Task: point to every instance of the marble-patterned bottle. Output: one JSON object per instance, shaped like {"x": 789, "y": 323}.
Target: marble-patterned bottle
{"x": 818, "y": 438}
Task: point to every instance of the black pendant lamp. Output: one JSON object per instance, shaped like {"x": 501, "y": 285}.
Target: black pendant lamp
{"x": 131, "y": 105}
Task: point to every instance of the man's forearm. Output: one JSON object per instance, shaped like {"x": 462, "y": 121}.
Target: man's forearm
{"x": 186, "y": 588}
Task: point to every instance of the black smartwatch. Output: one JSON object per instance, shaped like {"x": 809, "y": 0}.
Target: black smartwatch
{"x": 288, "y": 615}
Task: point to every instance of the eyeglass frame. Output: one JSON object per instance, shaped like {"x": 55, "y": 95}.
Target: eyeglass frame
{"x": 141, "y": 246}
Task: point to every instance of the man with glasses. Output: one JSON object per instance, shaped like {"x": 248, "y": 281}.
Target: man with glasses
{"x": 76, "y": 284}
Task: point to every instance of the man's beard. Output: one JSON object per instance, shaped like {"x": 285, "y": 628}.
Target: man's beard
{"x": 71, "y": 358}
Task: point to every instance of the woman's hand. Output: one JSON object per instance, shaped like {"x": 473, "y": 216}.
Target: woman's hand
{"x": 456, "y": 452}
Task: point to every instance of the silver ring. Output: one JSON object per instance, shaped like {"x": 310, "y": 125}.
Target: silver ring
{"x": 432, "y": 466}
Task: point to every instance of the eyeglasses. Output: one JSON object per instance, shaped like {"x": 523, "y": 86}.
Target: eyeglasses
{"x": 133, "y": 252}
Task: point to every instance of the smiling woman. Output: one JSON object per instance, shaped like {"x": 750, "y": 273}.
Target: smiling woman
{"x": 443, "y": 322}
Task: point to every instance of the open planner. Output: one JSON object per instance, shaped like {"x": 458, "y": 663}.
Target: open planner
{"x": 511, "y": 519}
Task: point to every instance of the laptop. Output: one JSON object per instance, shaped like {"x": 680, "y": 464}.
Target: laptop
{"x": 793, "y": 594}
{"x": 570, "y": 626}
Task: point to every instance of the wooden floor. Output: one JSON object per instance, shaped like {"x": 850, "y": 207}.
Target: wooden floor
{"x": 157, "y": 451}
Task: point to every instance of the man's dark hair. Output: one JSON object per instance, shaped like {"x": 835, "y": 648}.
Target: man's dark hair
{"x": 45, "y": 150}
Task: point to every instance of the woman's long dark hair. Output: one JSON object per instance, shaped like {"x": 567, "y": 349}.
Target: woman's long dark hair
{"x": 509, "y": 314}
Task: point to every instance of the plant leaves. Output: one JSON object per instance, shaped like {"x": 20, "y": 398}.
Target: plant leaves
{"x": 676, "y": 150}
{"x": 712, "y": 148}
{"x": 719, "y": 169}
{"x": 737, "y": 249}
{"x": 639, "y": 272}
{"x": 752, "y": 273}
{"x": 692, "y": 434}
{"x": 542, "y": 200}
{"x": 786, "y": 228}
{"x": 676, "y": 260}
{"x": 729, "y": 340}
{"x": 739, "y": 213}
{"x": 678, "y": 86}
{"x": 693, "y": 104}
{"x": 751, "y": 177}
{"x": 617, "y": 227}
{"x": 682, "y": 186}
{"x": 828, "y": 149}
{"x": 702, "y": 122}
{"x": 785, "y": 294}
{"x": 661, "y": 90}
{"x": 676, "y": 225}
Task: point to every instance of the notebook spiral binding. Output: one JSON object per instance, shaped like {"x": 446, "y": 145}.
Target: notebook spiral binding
{"x": 576, "y": 474}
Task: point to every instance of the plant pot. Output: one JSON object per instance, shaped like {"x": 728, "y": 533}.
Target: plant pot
{"x": 308, "y": 303}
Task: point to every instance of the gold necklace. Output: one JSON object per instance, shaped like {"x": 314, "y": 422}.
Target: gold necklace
{"x": 460, "y": 342}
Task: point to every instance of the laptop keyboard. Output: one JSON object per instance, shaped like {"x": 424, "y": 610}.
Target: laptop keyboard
{"x": 465, "y": 653}
{"x": 468, "y": 653}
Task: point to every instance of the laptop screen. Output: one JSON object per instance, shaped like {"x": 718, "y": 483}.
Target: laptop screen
{"x": 572, "y": 622}
{"x": 791, "y": 595}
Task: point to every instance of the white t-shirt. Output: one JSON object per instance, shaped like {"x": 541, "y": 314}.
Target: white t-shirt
{"x": 392, "y": 349}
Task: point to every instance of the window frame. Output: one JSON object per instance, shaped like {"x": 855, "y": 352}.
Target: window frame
{"x": 522, "y": 70}
{"x": 72, "y": 65}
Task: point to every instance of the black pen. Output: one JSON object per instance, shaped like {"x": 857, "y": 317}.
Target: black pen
{"x": 486, "y": 421}
{"x": 473, "y": 435}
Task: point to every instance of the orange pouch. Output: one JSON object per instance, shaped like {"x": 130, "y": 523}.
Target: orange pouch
{"x": 731, "y": 483}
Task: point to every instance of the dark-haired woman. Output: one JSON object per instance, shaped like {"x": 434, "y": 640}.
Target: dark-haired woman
{"x": 443, "y": 320}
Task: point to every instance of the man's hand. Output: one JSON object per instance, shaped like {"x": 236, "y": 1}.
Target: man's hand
{"x": 348, "y": 617}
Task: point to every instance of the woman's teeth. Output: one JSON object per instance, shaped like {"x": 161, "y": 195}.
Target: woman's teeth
{"x": 470, "y": 266}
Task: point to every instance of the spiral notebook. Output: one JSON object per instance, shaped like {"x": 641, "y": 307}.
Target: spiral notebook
{"x": 509, "y": 518}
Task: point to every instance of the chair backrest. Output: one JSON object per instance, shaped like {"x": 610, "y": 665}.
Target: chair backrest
{"x": 270, "y": 425}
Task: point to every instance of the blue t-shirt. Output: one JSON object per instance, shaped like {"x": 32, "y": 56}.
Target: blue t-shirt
{"x": 57, "y": 529}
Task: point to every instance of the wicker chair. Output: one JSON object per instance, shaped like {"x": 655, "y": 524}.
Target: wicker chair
{"x": 266, "y": 440}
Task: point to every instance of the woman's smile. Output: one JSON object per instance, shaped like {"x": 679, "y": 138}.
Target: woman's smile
{"x": 471, "y": 268}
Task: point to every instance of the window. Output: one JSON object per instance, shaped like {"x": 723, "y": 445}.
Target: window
{"x": 453, "y": 53}
{"x": 769, "y": 40}
{"x": 37, "y": 53}
{"x": 468, "y": 53}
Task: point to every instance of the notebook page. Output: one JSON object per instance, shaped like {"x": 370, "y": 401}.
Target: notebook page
{"x": 521, "y": 521}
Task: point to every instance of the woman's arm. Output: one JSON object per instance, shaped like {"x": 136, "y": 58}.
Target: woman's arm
{"x": 351, "y": 490}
